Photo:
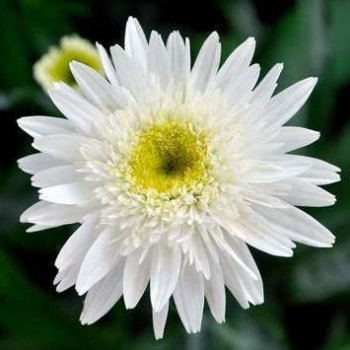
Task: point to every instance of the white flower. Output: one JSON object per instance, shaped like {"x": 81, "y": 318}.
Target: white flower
{"x": 54, "y": 65}
{"x": 171, "y": 171}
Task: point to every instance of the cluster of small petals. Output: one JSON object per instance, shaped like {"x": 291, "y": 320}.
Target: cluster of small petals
{"x": 191, "y": 241}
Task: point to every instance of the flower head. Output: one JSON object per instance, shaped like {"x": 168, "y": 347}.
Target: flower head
{"x": 53, "y": 67}
{"x": 171, "y": 171}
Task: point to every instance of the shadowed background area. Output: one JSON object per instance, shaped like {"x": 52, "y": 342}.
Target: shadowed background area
{"x": 307, "y": 297}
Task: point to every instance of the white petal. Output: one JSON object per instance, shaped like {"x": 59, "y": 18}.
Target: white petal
{"x": 305, "y": 193}
{"x": 236, "y": 63}
{"x": 256, "y": 231}
{"x": 158, "y": 59}
{"x": 53, "y": 215}
{"x": 316, "y": 163}
{"x": 165, "y": 271}
{"x": 320, "y": 177}
{"x": 66, "y": 147}
{"x": 313, "y": 170}
{"x": 129, "y": 73}
{"x": 258, "y": 195}
{"x": 103, "y": 296}
{"x": 99, "y": 260}
{"x": 278, "y": 169}
{"x": 76, "y": 108}
{"x": 78, "y": 244}
{"x": 294, "y": 137}
{"x": 36, "y": 228}
{"x": 207, "y": 62}
{"x": 215, "y": 293}
{"x": 287, "y": 103}
{"x": 66, "y": 278}
{"x": 38, "y": 206}
{"x": 243, "y": 288}
{"x": 135, "y": 42}
{"x": 253, "y": 287}
{"x": 225, "y": 222}
{"x": 201, "y": 260}
{"x": 107, "y": 65}
{"x": 38, "y": 162}
{"x": 180, "y": 58}
{"x": 189, "y": 299}
{"x": 298, "y": 226}
{"x": 320, "y": 172}
{"x": 208, "y": 242}
{"x": 135, "y": 278}
{"x": 159, "y": 321}
{"x": 72, "y": 193}
{"x": 96, "y": 88}
{"x": 55, "y": 176}
{"x": 263, "y": 92}
{"x": 233, "y": 283}
{"x": 238, "y": 90}
{"x": 259, "y": 234}
{"x": 40, "y": 126}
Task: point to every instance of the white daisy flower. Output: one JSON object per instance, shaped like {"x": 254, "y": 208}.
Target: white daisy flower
{"x": 54, "y": 65}
{"x": 171, "y": 170}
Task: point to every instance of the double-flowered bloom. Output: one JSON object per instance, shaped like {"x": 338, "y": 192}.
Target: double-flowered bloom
{"x": 171, "y": 170}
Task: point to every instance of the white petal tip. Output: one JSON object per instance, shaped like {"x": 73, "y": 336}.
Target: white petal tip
{"x": 129, "y": 304}
{"x": 73, "y": 64}
{"x": 219, "y": 320}
{"x": 60, "y": 289}
{"x": 59, "y": 263}
{"x": 195, "y": 330}
{"x": 328, "y": 244}
{"x": 312, "y": 81}
{"x": 85, "y": 321}
{"x": 131, "y": 19}
{"x": 284, "y": 254}
{"x": 215, "y": 34}
{"x": 77, "y": 67}
{"x": 23, "y": 218}
{"x": 100, "y": 47}
{"x": 21, "y": 122}
{"x": 258, "y": 300}
{"x": 317, "y": 135}
{"x": 55, "y": 87}
{"x": 337, "y": 178}
{"x": 81, "y": 289}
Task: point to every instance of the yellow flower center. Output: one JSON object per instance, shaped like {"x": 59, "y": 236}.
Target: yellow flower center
{"x": 169, "y": 156}
{"x": 54, "y": 66}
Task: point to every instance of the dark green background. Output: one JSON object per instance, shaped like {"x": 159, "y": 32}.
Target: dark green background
{"x": 307, "y": 297}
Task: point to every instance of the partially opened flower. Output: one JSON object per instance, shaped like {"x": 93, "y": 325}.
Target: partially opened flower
{"x": 53, "y": 67}
{"x": 172, "y": 170}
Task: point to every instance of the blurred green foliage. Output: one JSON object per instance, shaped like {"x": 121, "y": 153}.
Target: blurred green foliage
{"x": 307, "y": 298}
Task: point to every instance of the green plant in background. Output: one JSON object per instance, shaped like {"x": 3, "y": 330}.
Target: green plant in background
{"x": 310, "y": 37}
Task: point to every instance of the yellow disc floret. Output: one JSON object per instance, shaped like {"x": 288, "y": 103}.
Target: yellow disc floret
{"x": 169, "y": 156}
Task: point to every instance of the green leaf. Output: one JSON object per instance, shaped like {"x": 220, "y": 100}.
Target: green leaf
{"x": 339, "y": 40}
{"x": 323, "y": 274}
